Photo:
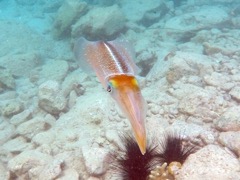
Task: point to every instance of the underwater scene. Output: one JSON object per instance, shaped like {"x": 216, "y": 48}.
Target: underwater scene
{"x": 119, "y": 90}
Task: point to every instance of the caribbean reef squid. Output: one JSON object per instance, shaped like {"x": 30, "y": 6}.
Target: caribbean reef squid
{"x": 113, "y": 64}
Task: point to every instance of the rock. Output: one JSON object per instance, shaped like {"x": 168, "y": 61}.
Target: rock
{"x": 174, "y": 69}
{"x": 93, "y": 178}
{"x": 67, "y": 135}
{"x": 210, "y": 49}
{"x": 112, "y": 136}
{"x": 21, "y": 117}
{"x": 94, "y": 160}
{"x": 100, "y": 23}
{"x": 11, "y": 107}
{"x": 8, "y": 95}
{"x": 66, "y": 15}
{"x": 153, "y": 15}
{"x": 181, "y": 90}
{"x": 33, "y": 126}
{"x": 69, "y": 174}
{"x": 7, "y": 131}
{"x": 179, "y": 68}
{"x": 137, "y": 9}
{"x": 229, "y": 120}
{"x": 52, "y": 170}
{"x": 51, "y": 98}
{"x": 17, "y": 145}
{"x": 73, "y": 82}
{"x": 73, "y": 163}
{"x": 4, "y": 173}
{"x": 6, "y": 79}
{"x": 28, "y": 161}
{"x": 210, "y": 162}
{"x": 21, "y": 64}
{"x": 157, "y": 125}
{"x": 191, "y": 131}
{"x": 54, "y": 70}
{"x": 218, "y": 80}
{"x": 231, "y": 140}
{"x": 209, "y": 16}
{"x": 235, "y": 93}
{"x": 72, "y": 99}
{"x": 43, "y": 138}
{"x": 219, "y": 47}
{"x": 200, "y": 104}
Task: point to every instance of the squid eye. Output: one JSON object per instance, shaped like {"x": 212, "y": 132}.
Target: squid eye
{"x": 109, "y": 88}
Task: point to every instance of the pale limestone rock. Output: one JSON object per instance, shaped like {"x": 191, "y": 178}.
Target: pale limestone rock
{"x": 100, "y": 23}
{"x": 154, "y": 15}
{"x": 112, "y": 136}
{"x": 22, "y": 64}
{"x": 218, "y": 80}
{"x": 27, "y": 92}
{"x": 8, "y": 95}
{"x": 195, "y": 64}
{"x": 72, "y": 159}
{"x": 72, "y": 99}
{"x": 229, "y": 120}
{"x": 93, "y": 178}
{"x": 33, "y": 126}
{"x": 52, "y": 170}
{"x": 69, "y": 174}
{"x": 155, "y": 127}
{"x": 136, "y": 9}
{"x": 27, "y": 161}
{"x": 222, "y": 43}
{"x": 7, "y": 131}
{"x": 11, "y": 107}
{"x": 198, "y": 103}
{"x": 236, "y": 77}
{"x": 179, "y": 68}
{"x": 67, "y": 135}
{"x": 210, "y": 162}
{"x": 94, "y": 160}
{"x": 231, "y": 140}
{"x": 4, "y": 173}
{"x": 51, "y": 98}
{"x": 210, "y": 49}
{"x": 21, "y": 117}
{"x": 235, "y": 93}
{"x": 194, "y": 132}
{"x": 6, "y": 79}
{"x": 17, "y": 145}
{"x": 66, "y": 15}
{"x": 44, "y": 138}
{"x": 208, "y": 16}
{"x": 54, "y": 70}
{"x": 181, "y": 90}
{"x": 73, "y": 82}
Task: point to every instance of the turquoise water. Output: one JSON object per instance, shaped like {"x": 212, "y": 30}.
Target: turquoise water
{"x": 58, "y": 120}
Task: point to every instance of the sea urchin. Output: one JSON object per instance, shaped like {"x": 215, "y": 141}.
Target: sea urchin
{"x": 173, "y": 149}
{"x": 132, "y": 165}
